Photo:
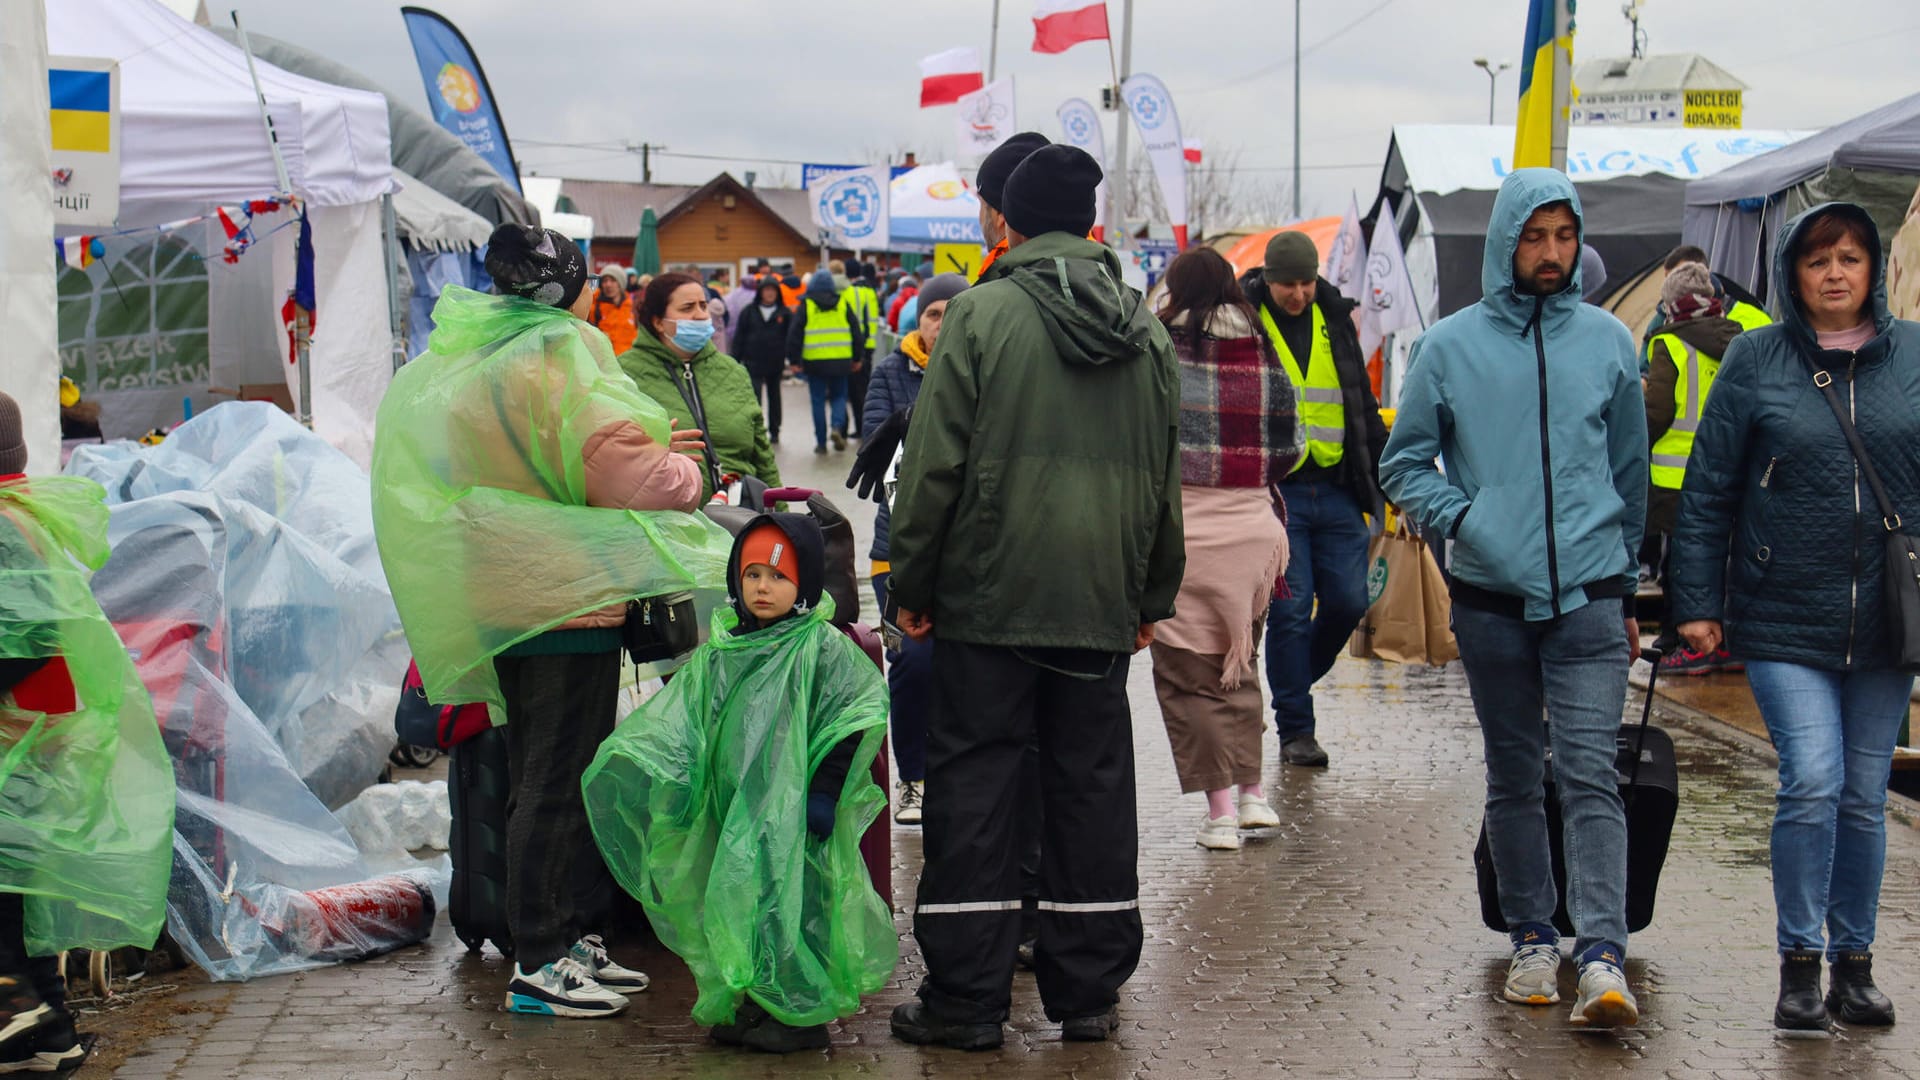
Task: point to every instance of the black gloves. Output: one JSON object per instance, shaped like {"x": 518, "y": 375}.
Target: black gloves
{"x": 870, "y": 465}
{"x": 820, "y": 811}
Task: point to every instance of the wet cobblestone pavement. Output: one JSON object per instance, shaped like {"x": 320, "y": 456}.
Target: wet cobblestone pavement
{"x": 1345, "y": 943}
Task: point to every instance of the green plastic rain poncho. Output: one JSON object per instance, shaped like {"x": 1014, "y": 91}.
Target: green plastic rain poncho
{"x": 86, "y": 798}
{"x": 698, "y": 801}
{"x": 479, "y": 495}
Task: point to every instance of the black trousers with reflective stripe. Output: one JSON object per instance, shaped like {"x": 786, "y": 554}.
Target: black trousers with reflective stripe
{"x": 988, "y": 702}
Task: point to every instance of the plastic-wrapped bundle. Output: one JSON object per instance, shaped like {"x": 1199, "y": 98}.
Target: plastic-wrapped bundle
{"x": 312, "y": 639}
{"x": 480, "y": 491}
{"x": 86, "y": 796}
{"x": 698, "y": 802}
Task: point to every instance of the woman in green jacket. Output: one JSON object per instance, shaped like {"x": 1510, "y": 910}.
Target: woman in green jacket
{"x": 673, "y": 361}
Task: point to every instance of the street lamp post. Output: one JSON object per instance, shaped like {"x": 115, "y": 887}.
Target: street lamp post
{"x": 1493, "y": 71}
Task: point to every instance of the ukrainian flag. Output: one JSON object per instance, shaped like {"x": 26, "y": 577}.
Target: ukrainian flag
{"x": 1533, "y": 134}
{"x": 82, "y": 103}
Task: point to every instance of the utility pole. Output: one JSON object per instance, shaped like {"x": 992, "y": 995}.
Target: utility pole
{"x": 1296, "y": 110}
{"x": 1117, "y": 192}
{"x": 993, "y": 43}
{"x": 645, "y": 150}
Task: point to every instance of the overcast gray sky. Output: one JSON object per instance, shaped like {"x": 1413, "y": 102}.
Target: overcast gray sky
{"x": 759, "y": 81}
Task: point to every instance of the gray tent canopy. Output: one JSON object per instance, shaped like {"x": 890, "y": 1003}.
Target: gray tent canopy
{"x": 421, "y": 147}
{"x": 1872, "y": 160}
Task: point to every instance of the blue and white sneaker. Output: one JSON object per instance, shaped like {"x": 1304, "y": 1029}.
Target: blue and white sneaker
{"x": 591, "y": 951}
{"x": 1605, "y": 1001}
{"x": 562, "y": 988}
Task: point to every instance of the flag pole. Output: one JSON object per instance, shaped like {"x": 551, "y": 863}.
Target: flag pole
{"x": 1562, "y": 79}
{"x": 1116, "y": 192}
{"x": 993, "y": 43}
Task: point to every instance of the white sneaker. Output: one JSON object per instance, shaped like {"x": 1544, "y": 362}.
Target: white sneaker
{"x": 562, "y": 988}
{"x": 591, "y": 952}
{"x": 1219, "y": 834}
{"x": 1605, "y": 1001}
{"x": 1533, "y": 975}
{"x": 1257, "y": 813}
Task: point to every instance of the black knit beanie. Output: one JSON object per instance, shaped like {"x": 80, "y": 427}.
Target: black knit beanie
{"x": 537, "y": 264}
{"x": 1052, "y": 191}
{"x": 992, "y": 181}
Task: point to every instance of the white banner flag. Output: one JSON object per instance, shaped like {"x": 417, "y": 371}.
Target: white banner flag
{"x": 1346, "y": 263}
{"x": 1080, "y": 126}
{"x": 1388, "y": 304}
{"x": 850, "y": 208}
{"x": 1159, "y": 125}
{"x": 984, "y": 120}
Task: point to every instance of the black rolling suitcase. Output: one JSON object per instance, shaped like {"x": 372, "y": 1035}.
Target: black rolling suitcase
{"x": 1649, "y": 785}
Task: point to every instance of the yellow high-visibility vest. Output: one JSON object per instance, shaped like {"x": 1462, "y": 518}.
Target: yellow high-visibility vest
{"x": 829, "y": 333}
{"x": 1322, "y": 406}
{"x": 1675, "y": 446}
{"x": 1748, "y": 316}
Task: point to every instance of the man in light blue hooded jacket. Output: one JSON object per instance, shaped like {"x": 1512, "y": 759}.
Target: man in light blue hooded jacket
{"x": 1532, "y": 400}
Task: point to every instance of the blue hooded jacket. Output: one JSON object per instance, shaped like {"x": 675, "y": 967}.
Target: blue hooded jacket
{"x": 1534, "y": 405}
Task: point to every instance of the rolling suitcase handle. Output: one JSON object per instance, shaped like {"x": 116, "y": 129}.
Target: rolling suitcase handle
{"x": 1651, "y": 656}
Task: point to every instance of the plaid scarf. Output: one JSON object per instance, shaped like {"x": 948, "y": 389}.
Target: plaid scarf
{"x": 1238, "y": 411}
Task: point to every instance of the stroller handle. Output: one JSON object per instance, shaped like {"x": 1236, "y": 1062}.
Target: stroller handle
{"x": 788, "y": 494}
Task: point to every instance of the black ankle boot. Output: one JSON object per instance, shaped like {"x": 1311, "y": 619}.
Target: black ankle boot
{"x": 1800, "y": 1007}
{"x": 1853, "y": 997}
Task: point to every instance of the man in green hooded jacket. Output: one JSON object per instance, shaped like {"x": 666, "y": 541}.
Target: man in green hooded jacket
{"x": 1037, "y": 534}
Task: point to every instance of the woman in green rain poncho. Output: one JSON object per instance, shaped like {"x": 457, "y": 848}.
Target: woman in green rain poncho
{"x": 86, "y": 787}
{"x": 732, "y": 803}
{"x": 523, "y": 491}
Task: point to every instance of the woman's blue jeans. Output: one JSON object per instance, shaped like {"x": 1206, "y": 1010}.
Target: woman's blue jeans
{"x": 1834, "y": 732}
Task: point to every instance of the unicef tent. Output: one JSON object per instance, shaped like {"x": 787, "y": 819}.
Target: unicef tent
{"x": 932, "y": 205}
{"x": 162, "y": 315}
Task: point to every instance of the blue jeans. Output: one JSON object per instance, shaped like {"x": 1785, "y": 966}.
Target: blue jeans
{"x": 910, "y": 684}
{"x": 1327, "y": 539}
{"x": 820, "y": 388}
{"x": 1575, "y": 669}
{"x": 1834, "y": 731}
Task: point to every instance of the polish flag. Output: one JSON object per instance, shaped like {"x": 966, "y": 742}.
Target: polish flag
{"x": 1059, "y": 25}
{"x": 1191, "y": 149}
{"x": 947, "y": 77}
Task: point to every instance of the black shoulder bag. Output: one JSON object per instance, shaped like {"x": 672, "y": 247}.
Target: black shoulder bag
{"x": 1903, "y": 552}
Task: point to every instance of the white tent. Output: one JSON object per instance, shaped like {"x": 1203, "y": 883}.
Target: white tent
{"x": 192, "y": 140}
{"x": 29, "y": 367}
{"x": 544, "y": 193}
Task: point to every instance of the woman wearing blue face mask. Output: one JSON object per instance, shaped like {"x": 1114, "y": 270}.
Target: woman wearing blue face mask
{"x": 673, "y": 361}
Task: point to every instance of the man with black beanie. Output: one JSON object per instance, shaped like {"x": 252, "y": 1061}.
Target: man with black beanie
{"x": 1037, "y": 532}
{"x": 991, "y": 186}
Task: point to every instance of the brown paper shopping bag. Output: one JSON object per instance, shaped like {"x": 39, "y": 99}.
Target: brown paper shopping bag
{"x": 1408, "y": 612}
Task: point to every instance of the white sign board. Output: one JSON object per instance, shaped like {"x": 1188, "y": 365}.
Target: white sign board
{"x": 84, "y": 107}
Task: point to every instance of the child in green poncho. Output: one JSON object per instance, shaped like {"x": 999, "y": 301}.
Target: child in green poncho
{"x": 732, "y": 803}
{"x": 86, "y": 787}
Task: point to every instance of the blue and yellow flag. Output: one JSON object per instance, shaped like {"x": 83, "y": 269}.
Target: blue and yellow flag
{"x": 82, "y": 110}
{"x": 1533, "y": 131}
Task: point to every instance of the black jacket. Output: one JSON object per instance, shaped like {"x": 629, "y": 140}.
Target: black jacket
{"x": 797, "y": 334}
{"x": 1359, "y": 467}
{"x": 760, "y": 342}
{"x": 1778, "y": 537}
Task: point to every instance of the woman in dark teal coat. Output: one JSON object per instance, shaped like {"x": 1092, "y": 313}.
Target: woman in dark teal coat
{"x": 1779, "y": 549}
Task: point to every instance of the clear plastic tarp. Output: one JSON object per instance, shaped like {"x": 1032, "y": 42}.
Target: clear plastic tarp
{"x": 245, "y": 583}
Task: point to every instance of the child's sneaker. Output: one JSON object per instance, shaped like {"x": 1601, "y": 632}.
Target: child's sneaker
{"x": 1605, "y": 1001}
{"x": 591, "y": 951}
{"x": 912, "y": 793}
{"x": 21, "y": 1010}
{"x": 53, "y": 1047}
{"x": 562, "y": 988}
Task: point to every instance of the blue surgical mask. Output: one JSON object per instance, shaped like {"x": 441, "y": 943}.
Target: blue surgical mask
{"x": 692, "y": 335}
